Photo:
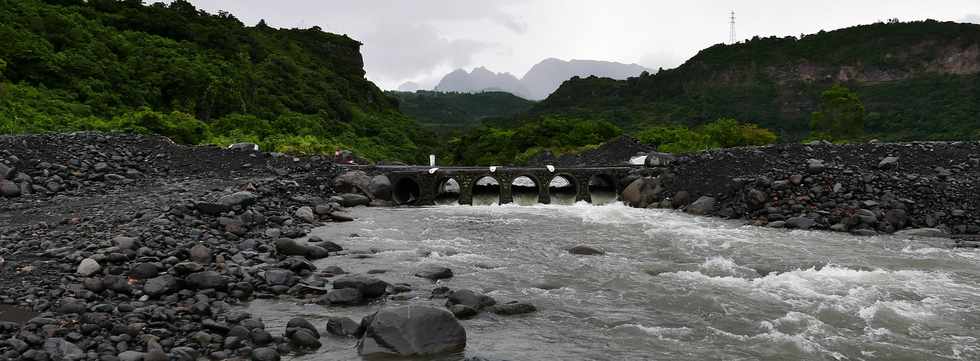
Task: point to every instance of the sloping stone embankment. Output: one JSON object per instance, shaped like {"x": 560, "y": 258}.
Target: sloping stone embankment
{"x": 864, "y": 189}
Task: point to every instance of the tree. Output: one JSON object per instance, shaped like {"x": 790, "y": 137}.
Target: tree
{"x": 841, "y": 116}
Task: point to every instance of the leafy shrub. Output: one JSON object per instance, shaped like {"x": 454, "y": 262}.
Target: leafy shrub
{"x": 721, "y": 133}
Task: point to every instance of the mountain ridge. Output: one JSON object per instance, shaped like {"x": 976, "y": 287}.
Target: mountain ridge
{"x": 918, "y": 80}
{"x": 540, "y": 80}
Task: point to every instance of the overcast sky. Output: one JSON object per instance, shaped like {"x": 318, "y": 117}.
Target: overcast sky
{"x": 421, "y": 40}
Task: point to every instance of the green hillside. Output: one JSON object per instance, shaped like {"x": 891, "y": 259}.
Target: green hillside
{"x": 452, "y": 111}
{"x": 916, "y": 80}
{"x": 197, "y": 77}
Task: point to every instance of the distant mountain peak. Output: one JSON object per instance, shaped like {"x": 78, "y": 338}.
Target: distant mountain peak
{"x": 540, "y": 81}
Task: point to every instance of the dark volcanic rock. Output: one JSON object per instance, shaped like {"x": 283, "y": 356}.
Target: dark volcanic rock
{"x": 434, "y": 272}
{"x": 343, "y": 327}
{"x": 586, "y": 251}
{"x": 469, "y": 298}
{"x": 513, "y": 308}
{"x": 411, "y": 330}
{"x": 370, "y": 287}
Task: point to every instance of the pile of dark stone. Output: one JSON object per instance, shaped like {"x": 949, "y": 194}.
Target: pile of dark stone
{"x": 157, "y": 264}
{"x": 923, "y": 188}
{"x": 617, "y": 151}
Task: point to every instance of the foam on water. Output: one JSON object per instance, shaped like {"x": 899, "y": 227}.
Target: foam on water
{"x": 672, "y": 286}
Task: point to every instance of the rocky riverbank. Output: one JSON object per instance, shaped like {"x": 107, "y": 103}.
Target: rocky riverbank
{"x": 125, "y": 247}
{"x": 923, "y": 188}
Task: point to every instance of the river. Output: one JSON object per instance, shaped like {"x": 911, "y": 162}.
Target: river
{"x": 671, "y": 286}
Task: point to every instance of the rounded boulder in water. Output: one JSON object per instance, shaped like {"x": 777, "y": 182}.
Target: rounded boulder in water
{"x": 411, "y": 330}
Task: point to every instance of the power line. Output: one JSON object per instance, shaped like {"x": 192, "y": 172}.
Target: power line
{"x": 731, "y": 34}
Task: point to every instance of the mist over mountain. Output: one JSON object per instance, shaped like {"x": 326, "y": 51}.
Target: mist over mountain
{"x": 409, "y": 86}
{"x": 539, "y": 82}
{"x": 545, "y": 77}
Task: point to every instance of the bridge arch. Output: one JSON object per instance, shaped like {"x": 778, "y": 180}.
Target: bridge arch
{"x": 407, "y": 191}
{"x": 449, "y": 190}
{"x": 525, "y": 189}
{"x": 564, "y": 188}
{"x": 603, "y": 188}
{"x": 486, "y": 190}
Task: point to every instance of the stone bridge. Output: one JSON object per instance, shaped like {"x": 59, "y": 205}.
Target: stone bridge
{"x": 417, "y": 185}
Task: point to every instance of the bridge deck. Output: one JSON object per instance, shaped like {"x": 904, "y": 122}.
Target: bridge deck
{"x": 422, "y": 184}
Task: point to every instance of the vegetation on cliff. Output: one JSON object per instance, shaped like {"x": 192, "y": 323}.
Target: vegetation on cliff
{"x": 178, "y": 71}
{"x": 917, "y": 80}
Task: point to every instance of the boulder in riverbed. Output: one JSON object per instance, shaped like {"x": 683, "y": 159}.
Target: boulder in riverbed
{"x": 512, "y": 308}
{"x": 434, "y": 272}
{"x": 342, "y": 326}
{"x": 641, "y": 192}
{"x": 370, "y": 287}
{"x": 380, "y": 187}
{"x": 584, "y": 250}
{"x": 702, "y": 206}
{"x": 411, "y": 330}
{"x": 352, "y": 182}
{"x": 88, "y": 267}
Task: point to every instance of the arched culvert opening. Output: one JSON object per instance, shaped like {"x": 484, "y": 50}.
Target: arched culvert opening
{"x": 524, "y": 190}
{"x": 486, "y": 191}
{"x": 448, "y": 192}
{"x": 602, "y": 189}
{"x": 562, "y": 189}
{"x": 406, "y": 191}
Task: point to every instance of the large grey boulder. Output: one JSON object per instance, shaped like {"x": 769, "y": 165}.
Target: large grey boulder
{"x": 701, "y": 206}
{"x": 434, "y": 272}
{"x": 815, "y": 165}
{"x": 354, "y": 181}
{"x": 306, "y": 214}
{"x": 641, "y": 192}
{"x": 290, "y": 247}
{"x": 9, "y": 189}
{"x": 380, "y": 187}
{"x": 88, "y": 267}
{"x": 411, "y": 330}
{"x": 470, "y": 298}
{"x": 888, "y": 162}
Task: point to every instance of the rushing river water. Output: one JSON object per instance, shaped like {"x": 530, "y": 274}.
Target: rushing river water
{"x": 671, "y": 286}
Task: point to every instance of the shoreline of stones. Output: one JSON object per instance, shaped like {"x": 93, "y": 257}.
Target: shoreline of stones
{"x": 156, "y": 264}
{"x": 919, "y": 189}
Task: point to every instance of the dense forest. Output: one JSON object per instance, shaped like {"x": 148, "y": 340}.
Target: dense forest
{"x": 203, "y": 78}
{"x": 446, "y": 112}
{"x": 917, "y": 80}
{"x": 199, "y": 78}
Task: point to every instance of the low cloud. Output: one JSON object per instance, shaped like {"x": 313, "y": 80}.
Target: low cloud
{"x": 660, "y": 59}
{"x": 393, "y": 56}
{"x": 971, "y": 18}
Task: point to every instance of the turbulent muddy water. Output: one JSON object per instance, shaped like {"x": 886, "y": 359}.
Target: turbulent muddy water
{"x": 671, "y": 287}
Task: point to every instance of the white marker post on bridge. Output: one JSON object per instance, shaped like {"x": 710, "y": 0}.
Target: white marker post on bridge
{"x": 432, "y": 160}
